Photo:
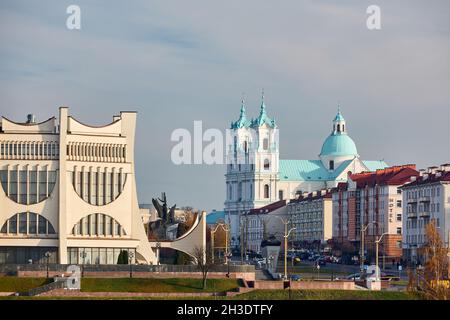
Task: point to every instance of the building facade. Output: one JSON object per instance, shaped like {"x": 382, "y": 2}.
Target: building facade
{"x": 371, "y": 201}
{"x": 69, "y": 189}
{"x": 256, "y": 177}
{"x": 263, "y": 222}
{"x": 427, "y": 198}
{"x": 311, "y": 215}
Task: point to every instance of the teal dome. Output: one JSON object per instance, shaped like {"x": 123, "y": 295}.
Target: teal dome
{"x": 339, "y": 144}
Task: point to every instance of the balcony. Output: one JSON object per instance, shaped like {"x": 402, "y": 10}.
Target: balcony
{"x": 411, "y": 200}
{"x": 424, "y": 213}
{"x": 412, "y": 215}
{"x": 424, "y": 199}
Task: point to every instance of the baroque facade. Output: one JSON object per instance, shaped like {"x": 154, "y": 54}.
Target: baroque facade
{"x": 256, "y": 176}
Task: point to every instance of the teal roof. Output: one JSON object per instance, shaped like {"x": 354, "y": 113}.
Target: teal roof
{"x": 313, "y": 170}
{"x": 338, "y": 144}
{"x": 308, "y": 170}
{"x": 243, "y": 122}
{"x": 263, "y": 118}
{"x": 339, "y": 117}
{"x": 213, "y": 217}
{"x": 375, "y": 165}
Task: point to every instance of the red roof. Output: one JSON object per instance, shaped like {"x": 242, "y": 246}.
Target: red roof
{"x": 397, "y": 175}
{"x": 430, "y": 178}
{"x": 268, "y": 208}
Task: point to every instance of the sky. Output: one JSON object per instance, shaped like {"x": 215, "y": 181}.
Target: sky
{"x": 176, "y": 62}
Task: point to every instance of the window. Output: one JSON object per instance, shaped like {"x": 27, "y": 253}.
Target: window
{"x": 266, "y": 164}
{"x": 280, "y": 195}
{"x": 266, "y": 191}
{"x": 265, "y": 144}
{"x": 27, "y": 223}
{"x": 331, "y": 165}
{"x": 399, "y": 230}
{"x": 399, "y": 203}
{"x": 399, "y": 217}
{"x": 97, "y": 224}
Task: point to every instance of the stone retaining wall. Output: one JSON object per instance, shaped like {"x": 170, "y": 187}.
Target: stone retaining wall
{"x": 248, "y": 276}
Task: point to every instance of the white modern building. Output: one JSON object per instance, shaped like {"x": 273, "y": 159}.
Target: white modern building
{"x": 312, "y": 216}
{"x": 256, "y": 177}
{"x": 69, "y": 189}
{"x": 427, "y": 199}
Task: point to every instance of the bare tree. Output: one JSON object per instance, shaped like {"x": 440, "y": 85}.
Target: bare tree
{"x": 203, "y": 260}
{"x": 432, "y": 282}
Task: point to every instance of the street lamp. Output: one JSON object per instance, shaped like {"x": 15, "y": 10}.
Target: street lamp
{"x": 363, "y": 230}
{"x": 130, "y": 260}
{"x": 83, "y": 255}
{"x": 377, "y": 272}
{"x": 286, "y": 236}
{"x": 47, "y": 255}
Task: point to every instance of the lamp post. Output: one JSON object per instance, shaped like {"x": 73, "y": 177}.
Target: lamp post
{"x": 377, "y": 271}
{"x": 47, "y": 255}
{"x": 83, "y": 255}
{"x": 286, "y": 236}
{"x": 130, "y": 261}
{"x": 363, "y": 230}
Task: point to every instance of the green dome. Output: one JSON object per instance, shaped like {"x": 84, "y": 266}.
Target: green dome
{"x": 339, "y": 144}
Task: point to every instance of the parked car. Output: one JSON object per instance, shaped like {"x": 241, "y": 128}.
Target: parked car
{"x": 295, "y": 277}
{"x": 354, "y": 276}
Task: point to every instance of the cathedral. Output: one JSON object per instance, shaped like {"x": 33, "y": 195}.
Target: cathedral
{"x": 256, "y": 176}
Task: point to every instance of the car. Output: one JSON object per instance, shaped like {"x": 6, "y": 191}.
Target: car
{"x": 295, "y": 277}
{"x": 354, "y": 276}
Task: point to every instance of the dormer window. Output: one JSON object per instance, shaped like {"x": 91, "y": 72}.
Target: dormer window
{"x": 331, "y": 165}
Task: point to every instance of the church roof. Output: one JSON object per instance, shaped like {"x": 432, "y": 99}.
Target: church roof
{"x": 242, "y": 122}
{"x": 313, "y": 170}
{"x": 338, "y": 144}
{"x": 374, "y": 165}
{"x": 263, "y": 118}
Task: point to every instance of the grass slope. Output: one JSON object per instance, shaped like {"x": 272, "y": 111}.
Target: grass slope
{"x": 15, "y": 284}
{"x": 156, "y": 285}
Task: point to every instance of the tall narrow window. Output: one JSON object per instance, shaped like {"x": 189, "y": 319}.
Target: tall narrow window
{"x": 331, "y": 165}
{"x": 265, "y": 144}
{"x": 266, "y": 164}
{"x": 266, "y": 191}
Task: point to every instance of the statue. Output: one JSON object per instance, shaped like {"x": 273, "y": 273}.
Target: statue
{"x": 157, "y": 228}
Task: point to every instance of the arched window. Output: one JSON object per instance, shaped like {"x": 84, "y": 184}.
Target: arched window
{"x": 331, "y": 165}
{"x": 339, "y": 128}
{"x": 343, "y": 128}
{"x": 266, "y": 164}
{"x": 98, "y": 224}
{"x": 28, "y": 223}
{"x": 266, "y": 191}
{"x": 265, "y": 144}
